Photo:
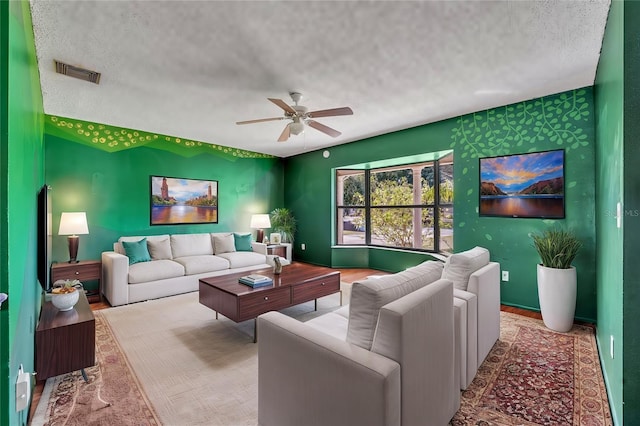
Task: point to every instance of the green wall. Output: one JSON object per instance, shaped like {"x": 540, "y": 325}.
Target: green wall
{"x": 112, "y": 186}
{"x": 4, "y": 226}
{"x": 21, "y": 165}
{"x": 631, "y": 270}
{"x": 609, "y": 186}
{"x": 617, "y": 96}
{"x": 563, "y": 121}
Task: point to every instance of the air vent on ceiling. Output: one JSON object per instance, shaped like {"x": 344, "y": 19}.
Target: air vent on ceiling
{"x": 77, "y": 72}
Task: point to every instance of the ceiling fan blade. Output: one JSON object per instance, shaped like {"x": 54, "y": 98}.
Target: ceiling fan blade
{"x": 260, "y": 120}
{"x": 282, "y": 104}
{"x": 330, "y": 112}
{"x": 285, "y": 134}
{"x": 324, "y": 129}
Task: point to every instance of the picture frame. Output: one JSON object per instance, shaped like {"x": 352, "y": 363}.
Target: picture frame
{"x": 275, "y": 238}
{"x": 529, "y": 185}
{"x": 180, "y": 201}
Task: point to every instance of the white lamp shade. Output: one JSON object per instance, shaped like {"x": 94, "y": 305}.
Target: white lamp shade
{"x": 296, "y": 127}
{"x": 260, "y": 221}
{"x": 74, "y": 223}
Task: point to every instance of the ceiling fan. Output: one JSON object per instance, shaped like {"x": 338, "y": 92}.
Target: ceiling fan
{"x": 300, "y": 115}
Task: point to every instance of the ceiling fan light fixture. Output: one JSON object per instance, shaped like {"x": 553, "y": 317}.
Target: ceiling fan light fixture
{"x": 296, "y": 127}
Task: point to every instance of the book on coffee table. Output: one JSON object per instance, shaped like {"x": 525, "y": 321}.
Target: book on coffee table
{"x": 256, "y": 280}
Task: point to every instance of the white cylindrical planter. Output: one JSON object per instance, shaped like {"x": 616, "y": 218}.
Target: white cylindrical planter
{"x": 557, "y": 290}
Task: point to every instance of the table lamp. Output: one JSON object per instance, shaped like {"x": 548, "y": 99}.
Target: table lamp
{"x": 260, "y": 222}
{"x": 73, "y": 224}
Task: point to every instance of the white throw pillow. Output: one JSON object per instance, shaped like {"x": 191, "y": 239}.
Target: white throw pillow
{"x": 460, "y": 266}
{"x": 223, "y": 243}
{"x": 159, "y": 248}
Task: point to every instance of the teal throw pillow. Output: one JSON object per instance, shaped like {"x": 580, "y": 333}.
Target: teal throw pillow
{"x": 243, "y": 242}
{"x": 137, "y": 251}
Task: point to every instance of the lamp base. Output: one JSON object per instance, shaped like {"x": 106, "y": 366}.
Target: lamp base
{"x": 260, "y": 235}
{"x": 74, "y": 242}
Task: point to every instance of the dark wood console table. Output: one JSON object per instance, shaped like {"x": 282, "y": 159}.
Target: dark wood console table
{"x": 65, "y": 341}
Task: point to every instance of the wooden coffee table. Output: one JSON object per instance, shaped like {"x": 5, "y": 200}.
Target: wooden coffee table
{"x": 298, "y": 283}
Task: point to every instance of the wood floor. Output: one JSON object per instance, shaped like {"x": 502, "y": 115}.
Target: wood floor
{"x": 348, "y": 275}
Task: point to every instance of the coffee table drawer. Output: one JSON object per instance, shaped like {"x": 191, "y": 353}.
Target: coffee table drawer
{"x": 254, "y": 304}
{"x": 316, "y": 288}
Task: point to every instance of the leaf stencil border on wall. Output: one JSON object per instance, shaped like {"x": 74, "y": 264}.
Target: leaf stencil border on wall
{"x": 114, "y": 139}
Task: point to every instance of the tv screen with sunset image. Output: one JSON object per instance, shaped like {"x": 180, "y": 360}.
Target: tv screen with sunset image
{"x": 523, "y": 185}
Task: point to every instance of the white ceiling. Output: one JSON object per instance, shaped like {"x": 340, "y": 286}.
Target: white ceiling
{"x": 193, "y": 68}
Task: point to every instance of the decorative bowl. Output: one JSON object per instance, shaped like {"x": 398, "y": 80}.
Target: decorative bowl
{"x": 65, "y": 301}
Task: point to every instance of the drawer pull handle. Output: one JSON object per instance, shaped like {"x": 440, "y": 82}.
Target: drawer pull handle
{"x": 322, "y": 284}
{"x": 77, "y": 273}
{"x": 266, "y": 298}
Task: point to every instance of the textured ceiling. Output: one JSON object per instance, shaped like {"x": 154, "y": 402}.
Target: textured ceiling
{"x": 193, "y": 68}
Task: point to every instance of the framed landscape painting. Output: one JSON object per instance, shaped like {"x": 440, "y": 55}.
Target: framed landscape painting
{"x": 523, "y": 185}
{"x": 176, "y": 201}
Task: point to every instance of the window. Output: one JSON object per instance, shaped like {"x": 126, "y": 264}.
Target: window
{"x": 398, "y": 206}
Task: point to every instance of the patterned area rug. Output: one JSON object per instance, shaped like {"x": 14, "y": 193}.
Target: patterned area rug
{"x": 535, "y": 376}
{"x": 112, "y": 395}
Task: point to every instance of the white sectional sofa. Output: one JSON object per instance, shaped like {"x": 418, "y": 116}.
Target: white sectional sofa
{"x": 174, "y": 263}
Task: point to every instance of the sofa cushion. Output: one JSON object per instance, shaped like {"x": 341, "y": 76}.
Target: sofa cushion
{"x": 136, "y": 251}
{"x": 223, "y": 243}
{"x": 241, "y": 259}
{"x": 242, "y": 242}
{"x": 159, "y": 248}
{"x": 431, "y": 268}
{"x": 330, "y": 323}
{"x": 117, "y": 246}
{"x": 458, "y": 267}
{"x": 154, "y": 270}
{"x": 190, "y": 245}
{"x": 368, "y": 296}
{"x": 199, "y": 264}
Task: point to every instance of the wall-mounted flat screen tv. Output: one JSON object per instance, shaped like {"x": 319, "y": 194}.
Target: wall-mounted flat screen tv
{"x": 44, "y": 237}
{"x": 523, "y": 185}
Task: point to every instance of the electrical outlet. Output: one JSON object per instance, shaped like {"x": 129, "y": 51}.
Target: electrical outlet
{"x": 505, "y": 275}
{"x": 611, "y": 346}
{"x": 23, "y": 390}
{"x": 303, "y": 246}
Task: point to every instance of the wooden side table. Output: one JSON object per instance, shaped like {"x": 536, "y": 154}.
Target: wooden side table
{"x": 277, "y": 249}
{"x": 85, "y": 270}
{"x": 282, "y": 250}
{"x": 65, "y": 341}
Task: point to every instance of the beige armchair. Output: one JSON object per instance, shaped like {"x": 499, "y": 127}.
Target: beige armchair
{"x": 408, "y": 376}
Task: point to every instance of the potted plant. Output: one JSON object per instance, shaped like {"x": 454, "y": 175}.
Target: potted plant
{"x": 557, "y": 279}
{"x": 65, "y": 294}
{"x": 282, "y": 221}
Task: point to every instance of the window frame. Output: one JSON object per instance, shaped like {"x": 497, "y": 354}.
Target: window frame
{"x": 436, "y": 206}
